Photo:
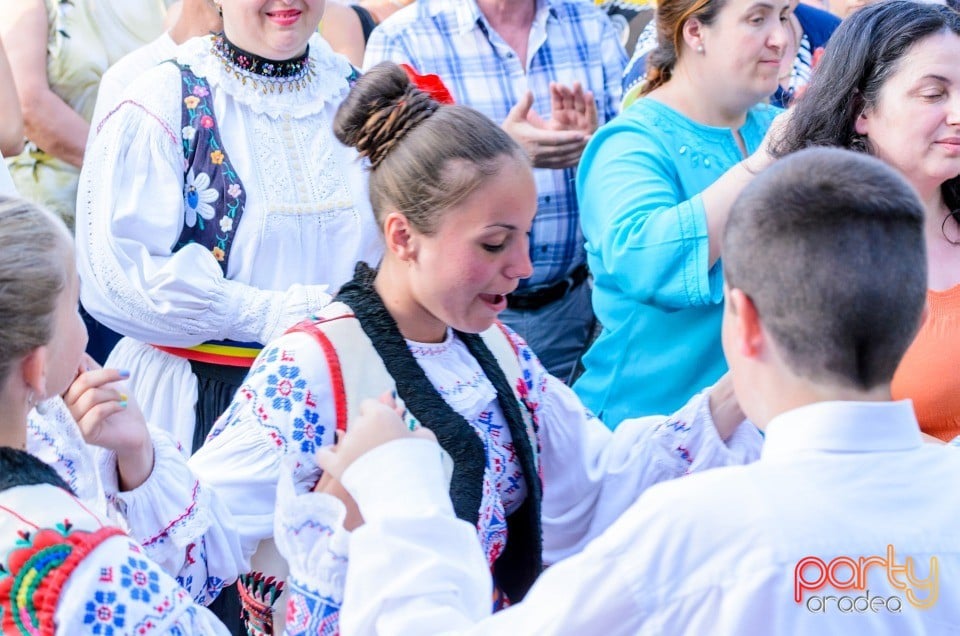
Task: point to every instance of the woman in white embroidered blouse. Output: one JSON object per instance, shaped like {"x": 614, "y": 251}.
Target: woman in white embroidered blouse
{"x": 41, "y": 350}
{"x": 454, "y": 197}
{"x": 216, "y": 209}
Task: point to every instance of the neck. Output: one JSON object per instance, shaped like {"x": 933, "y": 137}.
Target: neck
{"x": 935, "y": 211}
{"x": 795, "y": 392}
{"x": 686, "y": 93}
{"x": 197, "y": 18}
{"x": 13, "y": 419}
{"x": 509, "y": 14}
{"x": 413, "y": 320}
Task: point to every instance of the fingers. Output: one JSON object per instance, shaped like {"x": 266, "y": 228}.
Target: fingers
{"x": 590, "y": 111}
{"x": 329, "y": 463}
{"x": 521, "y": 108}
{"x": 96, "y": 378}
{"x": 424, "y": 433}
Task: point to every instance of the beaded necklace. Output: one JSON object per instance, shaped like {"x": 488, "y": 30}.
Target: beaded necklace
{"x": 268, "y": 76}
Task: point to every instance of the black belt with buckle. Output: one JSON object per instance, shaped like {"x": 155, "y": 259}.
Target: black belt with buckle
{"x": 539, "y": 297}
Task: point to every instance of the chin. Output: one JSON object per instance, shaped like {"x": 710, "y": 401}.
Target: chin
{"x": 475, "y": 325}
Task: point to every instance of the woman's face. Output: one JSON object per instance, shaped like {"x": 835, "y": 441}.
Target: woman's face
{"x": 462, "y": 273}
{"x": 745, "y": 45}
{"x": 915, "y": 124}
{"x": 65, "y": 349}
{"x": 274, "y": 29}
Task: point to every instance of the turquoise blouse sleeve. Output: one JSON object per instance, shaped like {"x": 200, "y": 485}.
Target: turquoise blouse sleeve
{"x": 644, "y": 236}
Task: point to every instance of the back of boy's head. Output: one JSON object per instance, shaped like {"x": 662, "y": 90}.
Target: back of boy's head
{"x": 19, "y": 468}
{"x": 829, "y": 246}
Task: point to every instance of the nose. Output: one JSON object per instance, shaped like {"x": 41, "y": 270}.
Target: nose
{"x": 520, "y": 266}
{"x": 780, "y": 35}
{"x": 953, "y": 109}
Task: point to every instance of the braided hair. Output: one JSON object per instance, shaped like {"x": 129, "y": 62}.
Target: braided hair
{"x": 424, "y": 156}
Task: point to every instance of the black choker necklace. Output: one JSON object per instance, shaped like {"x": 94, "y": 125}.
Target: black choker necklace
{"x": 269, "y": 76}
{"x": 251, "y": 63}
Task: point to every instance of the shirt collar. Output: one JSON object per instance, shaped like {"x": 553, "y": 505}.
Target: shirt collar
{"x": 845, "y": 427}
{"x": 468, "y": 14}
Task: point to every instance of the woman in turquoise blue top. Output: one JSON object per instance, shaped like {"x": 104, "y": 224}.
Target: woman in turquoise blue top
{"x": 655, "y": 187}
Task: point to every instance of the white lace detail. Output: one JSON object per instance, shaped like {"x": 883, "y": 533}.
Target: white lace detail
{"x": 55, "y": 439}
{"x": 328, "y": 84}
{"x": 458, "y": 377}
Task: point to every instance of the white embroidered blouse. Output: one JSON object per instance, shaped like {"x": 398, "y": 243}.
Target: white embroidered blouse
{"x": 285, "y": 411}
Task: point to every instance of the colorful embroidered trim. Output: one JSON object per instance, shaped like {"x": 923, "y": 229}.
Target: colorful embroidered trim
{"x": 225, "y": 353}
{"x": 256, "y": 65}
{"x": 35, "y": 572}
{"x": 213, "y": 196}
{"x": 268, "y": 76}
{"x": 258, "y": 593}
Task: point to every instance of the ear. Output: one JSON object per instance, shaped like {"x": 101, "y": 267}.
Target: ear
{"x": 400, "y": 236}
{"x": 693, "y": 33}
{"x": 748, "y": 336}
{"x": 862, "y": 123}
{"x": 33, "y": 370}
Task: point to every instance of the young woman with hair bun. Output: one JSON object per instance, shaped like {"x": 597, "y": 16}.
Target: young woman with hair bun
{"x": 454, "y": 197}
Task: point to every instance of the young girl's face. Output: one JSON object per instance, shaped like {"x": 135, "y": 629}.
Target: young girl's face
{"x": 65, "y": 349}
{"x": 462, "y": 273}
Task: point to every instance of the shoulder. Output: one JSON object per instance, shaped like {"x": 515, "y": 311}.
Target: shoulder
{"x": 583, "y": 13}
{"x": 419, "y": 17}
{"x": 762, "y": 115}
{"x": 644, "y": 126}
{"x": 153, "y": 94}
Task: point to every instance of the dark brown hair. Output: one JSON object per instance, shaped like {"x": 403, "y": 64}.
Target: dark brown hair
{"x": 424, "y": 156}
{"x": 863, "y": 53}
{"x": 829, "y": 246}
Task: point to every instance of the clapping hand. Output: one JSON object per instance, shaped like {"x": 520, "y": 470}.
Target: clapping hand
{"x": 559, "y": 141}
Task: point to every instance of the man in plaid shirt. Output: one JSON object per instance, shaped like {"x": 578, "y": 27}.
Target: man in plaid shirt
{"x": 549, "y": 71}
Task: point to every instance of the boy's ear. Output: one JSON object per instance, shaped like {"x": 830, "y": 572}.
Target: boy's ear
{"x": 747, "y": 328}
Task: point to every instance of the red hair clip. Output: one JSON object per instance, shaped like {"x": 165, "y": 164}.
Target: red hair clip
{"x": 429, "y": 84}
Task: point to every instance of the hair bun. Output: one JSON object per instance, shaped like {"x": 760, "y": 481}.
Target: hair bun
{"x": 382, "y": 108}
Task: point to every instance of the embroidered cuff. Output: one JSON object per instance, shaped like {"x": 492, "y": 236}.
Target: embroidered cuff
{"x": 309, "y": 534}
{"x": 170, "y": 510}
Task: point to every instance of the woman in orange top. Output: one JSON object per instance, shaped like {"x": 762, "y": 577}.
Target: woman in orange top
{"x": 895, "y": 93}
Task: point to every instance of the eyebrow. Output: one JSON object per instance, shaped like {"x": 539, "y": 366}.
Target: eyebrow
{"x": 505, "y": 226}
{"x": 761, "y": 5}
{"x": 933, "y": 76}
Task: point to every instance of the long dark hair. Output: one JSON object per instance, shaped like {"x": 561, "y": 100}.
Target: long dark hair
{"x": 862, "y": 55}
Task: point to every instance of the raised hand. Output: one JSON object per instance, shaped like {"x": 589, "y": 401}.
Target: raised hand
{"x": 559, "y": 141}
{"x": 109, "y": 417}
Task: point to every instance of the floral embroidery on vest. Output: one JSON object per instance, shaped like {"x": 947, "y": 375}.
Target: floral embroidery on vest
{"x": 213, "y": 196}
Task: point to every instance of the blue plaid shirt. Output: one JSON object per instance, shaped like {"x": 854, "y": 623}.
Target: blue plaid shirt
{"x": 571, "y": 41}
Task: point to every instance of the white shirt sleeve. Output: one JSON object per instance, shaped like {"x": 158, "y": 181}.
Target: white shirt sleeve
{"x": 417, "y": 569}
{"x": 592, "y": 475}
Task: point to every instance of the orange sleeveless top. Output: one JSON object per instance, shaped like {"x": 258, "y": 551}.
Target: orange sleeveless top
{"x": 929, "y": 373}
